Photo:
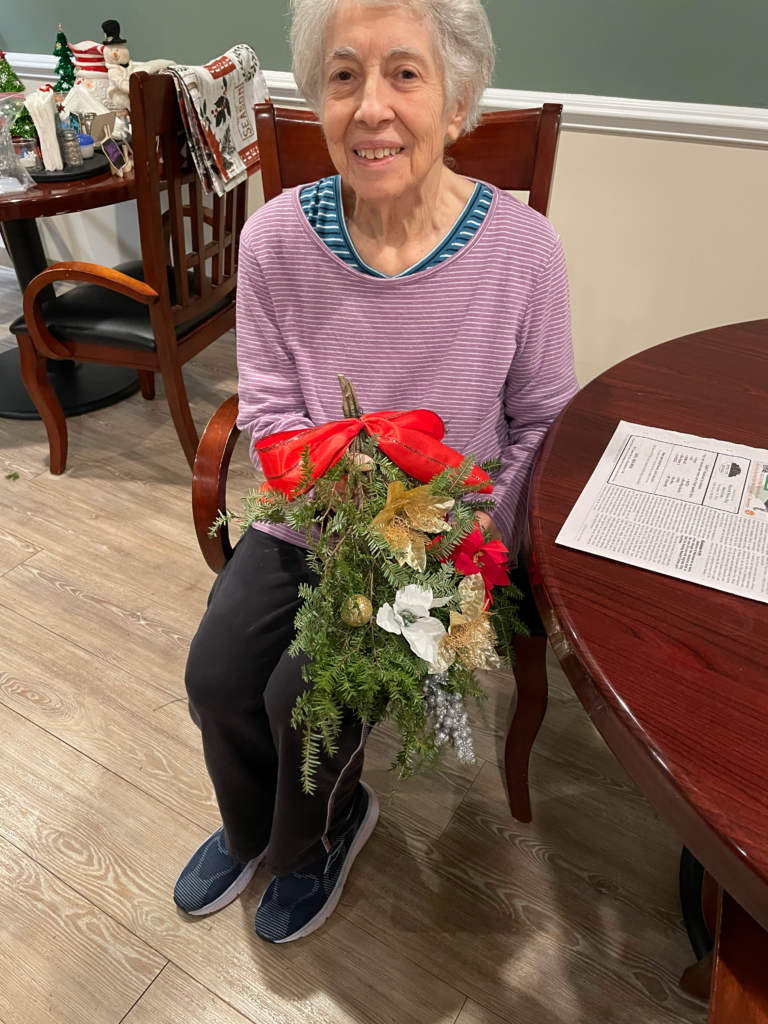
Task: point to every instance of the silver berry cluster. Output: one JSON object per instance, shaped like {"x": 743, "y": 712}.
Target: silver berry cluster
{"x": 450, "y": 718}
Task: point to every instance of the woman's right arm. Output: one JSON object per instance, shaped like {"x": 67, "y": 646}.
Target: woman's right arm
{"x": 270, "y": 394}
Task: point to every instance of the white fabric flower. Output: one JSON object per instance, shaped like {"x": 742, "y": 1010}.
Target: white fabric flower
{"x": 410, "y": 618}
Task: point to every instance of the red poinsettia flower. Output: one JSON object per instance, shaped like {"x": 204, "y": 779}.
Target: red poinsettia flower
{"x": 489, "y": 558}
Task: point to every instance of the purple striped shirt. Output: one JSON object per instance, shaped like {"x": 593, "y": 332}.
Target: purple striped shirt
{"x": 483, "y": 340}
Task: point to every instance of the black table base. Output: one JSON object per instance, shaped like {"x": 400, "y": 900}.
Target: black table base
{"x": 80, "y": 387}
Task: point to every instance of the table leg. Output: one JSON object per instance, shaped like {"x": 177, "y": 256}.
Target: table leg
{"x": 697, "y": 979}
{"x": 80, "y": 387}
{"x": 740, "y": 977}
{"x": 529, "y": 705}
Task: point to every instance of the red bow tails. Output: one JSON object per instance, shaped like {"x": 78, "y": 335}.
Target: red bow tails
{"x": 412, "y": 440}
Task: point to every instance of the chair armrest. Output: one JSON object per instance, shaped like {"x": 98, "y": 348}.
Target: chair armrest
{"x": 209, "y": 482}
{"x": 91, "y": 273}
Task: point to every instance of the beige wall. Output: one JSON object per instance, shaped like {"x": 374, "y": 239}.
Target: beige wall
{"x": 662, "y": 238}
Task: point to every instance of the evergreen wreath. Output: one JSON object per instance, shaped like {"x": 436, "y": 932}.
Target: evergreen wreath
{"x": 380, "y": 542}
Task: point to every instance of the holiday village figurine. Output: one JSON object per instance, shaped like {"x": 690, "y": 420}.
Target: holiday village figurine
{"x": 91, "y": 69}
{"x": 22, "y": 127}
{"x": 65, "y": 69}
{"x": 104, "y": 69}
{"x": 119, "y": 66}
{"x": 9, "y": 80}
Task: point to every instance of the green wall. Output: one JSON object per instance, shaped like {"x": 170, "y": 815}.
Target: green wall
{"x": 700, "y": 51}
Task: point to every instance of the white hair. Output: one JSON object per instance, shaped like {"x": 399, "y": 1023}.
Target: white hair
{"x": 461, "y": 35}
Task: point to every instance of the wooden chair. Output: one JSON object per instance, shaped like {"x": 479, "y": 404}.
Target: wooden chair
{"x": 153, "y": 314}
{"x": 514, "y": 150}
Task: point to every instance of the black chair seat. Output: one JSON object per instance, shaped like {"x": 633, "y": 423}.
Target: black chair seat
{"x": 90, "y": 313}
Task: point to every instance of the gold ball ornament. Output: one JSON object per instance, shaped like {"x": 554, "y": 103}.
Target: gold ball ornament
{"x": 356, "y": 610}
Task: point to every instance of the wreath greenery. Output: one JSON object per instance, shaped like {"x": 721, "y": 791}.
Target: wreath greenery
{"x": 354, "y": 663}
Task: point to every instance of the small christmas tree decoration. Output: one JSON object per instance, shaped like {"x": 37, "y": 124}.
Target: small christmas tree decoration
{"x": 9, "y": 80}
{"x": 24, "y": 127}
{"x": 65, "y": 69}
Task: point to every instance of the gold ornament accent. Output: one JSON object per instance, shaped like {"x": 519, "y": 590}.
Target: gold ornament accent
{"x": 407, "y": 517}
{"x": 470, "y": 634}
{"x": 473, "y": 640}
{"x": 356, "y": 610}
{"x": 472, "y": 594}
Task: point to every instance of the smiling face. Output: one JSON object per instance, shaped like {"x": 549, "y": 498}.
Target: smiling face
{"x": 115, "y": 55}
{"x": 383, "y": 104}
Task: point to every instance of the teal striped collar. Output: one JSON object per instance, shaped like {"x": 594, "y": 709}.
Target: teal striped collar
{"x": 323, "y": 208}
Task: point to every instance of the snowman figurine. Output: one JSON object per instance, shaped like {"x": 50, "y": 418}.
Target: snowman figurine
{"x": 119, "y": 66}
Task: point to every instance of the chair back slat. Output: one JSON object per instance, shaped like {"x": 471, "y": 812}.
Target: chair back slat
{"x": 197, "y": 239}
{"x": 269, "y": 157}
{"x": 546, "y": 154}
{"x": 239, "y": 214}
{"x": 172, "y": 168}
{"x": 202, "y": 284}
{"x": 512, "y": 149}
{"x": 219, "y": 234}
{"x": 229, "y": 227}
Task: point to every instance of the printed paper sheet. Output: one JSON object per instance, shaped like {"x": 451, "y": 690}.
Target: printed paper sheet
{"x": 686, "y": 506}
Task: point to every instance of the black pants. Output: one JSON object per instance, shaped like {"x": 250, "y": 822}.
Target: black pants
{"x": 242, "y": 688}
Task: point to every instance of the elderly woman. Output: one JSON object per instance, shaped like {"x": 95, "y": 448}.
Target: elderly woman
{"x": 428, "y": 290}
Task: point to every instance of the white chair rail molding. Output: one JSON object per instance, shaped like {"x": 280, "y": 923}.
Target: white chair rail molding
{"x": 662, "y": 208}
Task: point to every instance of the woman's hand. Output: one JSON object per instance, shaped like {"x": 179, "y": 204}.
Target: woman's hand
{"x": 487, "y": 524}
{"x": 361, "y": 460}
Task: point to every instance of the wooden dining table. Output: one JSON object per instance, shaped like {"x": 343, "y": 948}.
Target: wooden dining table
{"x": 674, "y": 675}
{"x": 81, "y": 387}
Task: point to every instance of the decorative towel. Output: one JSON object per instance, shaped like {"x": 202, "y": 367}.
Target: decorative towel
{"x": 216, "y": 102}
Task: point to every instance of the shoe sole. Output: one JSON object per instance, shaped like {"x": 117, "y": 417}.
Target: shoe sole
{"x": 233, "y": 891}
{"x": 362, "y": 837}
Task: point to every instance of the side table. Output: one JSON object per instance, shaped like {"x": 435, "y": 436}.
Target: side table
{"x": 80, "y": 387}
{"x": 673, "y": 674}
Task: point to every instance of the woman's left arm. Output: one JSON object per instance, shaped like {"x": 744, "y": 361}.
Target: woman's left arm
{"x": 540, "y": 383}
{"x": 271, "y": 398}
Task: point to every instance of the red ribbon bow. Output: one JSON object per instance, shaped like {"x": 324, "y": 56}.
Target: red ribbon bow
{"x": 412, "y": 440}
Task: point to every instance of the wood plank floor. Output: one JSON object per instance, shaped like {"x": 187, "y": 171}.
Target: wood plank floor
{"x": 453, "y": 914}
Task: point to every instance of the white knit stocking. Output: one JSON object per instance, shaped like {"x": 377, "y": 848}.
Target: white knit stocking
{"x": 42, "y": 111}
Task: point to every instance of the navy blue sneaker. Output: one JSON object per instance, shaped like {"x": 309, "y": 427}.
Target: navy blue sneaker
{"x": 211, "y": 878}
{"x": 295, "y": 905}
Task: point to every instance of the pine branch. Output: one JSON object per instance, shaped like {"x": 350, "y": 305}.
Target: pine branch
{"x": 368, "y": 671}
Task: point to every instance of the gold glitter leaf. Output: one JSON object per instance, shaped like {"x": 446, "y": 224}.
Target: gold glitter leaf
{"x": 474, "y": 641}
{"x": 406, "y": 517}
{"x": 472, "y": 595}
